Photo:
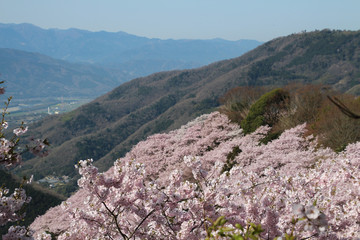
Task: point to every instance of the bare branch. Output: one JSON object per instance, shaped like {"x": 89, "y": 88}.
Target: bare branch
{"x": 116, "y": 222}
{"x": 142, "y": 221}
{"x": 344, "y": 109}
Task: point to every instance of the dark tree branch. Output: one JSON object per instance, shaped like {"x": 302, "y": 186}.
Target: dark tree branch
{"x": 143, "y": 220}
{"x": 116, "y": 222}
{"x": 344, "y": 109}
{"x": 168, "y": 223}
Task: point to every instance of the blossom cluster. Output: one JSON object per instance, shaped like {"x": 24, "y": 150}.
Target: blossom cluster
{"x": 8, "y": 156}
{"x": 316, "y": 219}
{"x": 12, "y": 205}
{"x": 172, "y": 186}
{"x": 18, "y": 232}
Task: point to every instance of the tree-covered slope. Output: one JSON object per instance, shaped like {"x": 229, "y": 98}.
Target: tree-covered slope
{"x": 326, "y": 57}
{"x": 174, "y": 186}
{"x": 108, "y": 127}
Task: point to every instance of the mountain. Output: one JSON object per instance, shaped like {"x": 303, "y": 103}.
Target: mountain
{"x": 109, "y": 126}
{"x": 138, "y": 56}
{"x": 33, "y": 75}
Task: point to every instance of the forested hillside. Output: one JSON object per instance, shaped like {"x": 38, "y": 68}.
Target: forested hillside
{"x": 108, "y": 127}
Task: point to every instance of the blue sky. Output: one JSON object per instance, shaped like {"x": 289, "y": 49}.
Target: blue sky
{"x": 187, "y": 19}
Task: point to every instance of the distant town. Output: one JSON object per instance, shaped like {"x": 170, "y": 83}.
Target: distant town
{"x": 53, "y": 181}
{"x": 31, "y": 110}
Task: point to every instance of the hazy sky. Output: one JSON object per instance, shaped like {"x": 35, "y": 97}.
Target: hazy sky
{"x": 202, "y": 19}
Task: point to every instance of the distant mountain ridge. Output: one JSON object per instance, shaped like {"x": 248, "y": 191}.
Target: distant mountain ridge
{"x": 108, "y": 127}
{"x": 33, "y": 75}
{"x": 138, "y": 56}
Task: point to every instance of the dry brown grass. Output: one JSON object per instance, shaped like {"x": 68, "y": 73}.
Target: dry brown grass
{"x": 307, "y": 103}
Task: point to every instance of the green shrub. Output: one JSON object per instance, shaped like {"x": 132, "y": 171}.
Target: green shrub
{"x": 290, "y": 106}
{"x": 265, "y": 111}
{"x": 218, "y": 230}
{"x": 237, "y": 102}
{"x": 230, "y": 159}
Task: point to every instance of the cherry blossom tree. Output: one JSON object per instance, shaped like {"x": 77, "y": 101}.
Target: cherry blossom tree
{"x": 174, "y": 186}
{"x": 12, "y": 205}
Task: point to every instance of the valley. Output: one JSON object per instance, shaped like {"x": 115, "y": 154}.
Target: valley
{"x": 34, "y": 109}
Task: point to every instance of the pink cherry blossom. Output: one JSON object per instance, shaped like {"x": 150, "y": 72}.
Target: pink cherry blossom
{"x": 20, "y": 131}
{"x": 171, "y": 185}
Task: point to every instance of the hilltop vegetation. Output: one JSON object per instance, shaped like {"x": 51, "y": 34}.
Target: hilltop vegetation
{"x": 108, "y": 127}
{"x": 322, "y": 57}
{"x": 287, "y": 107}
